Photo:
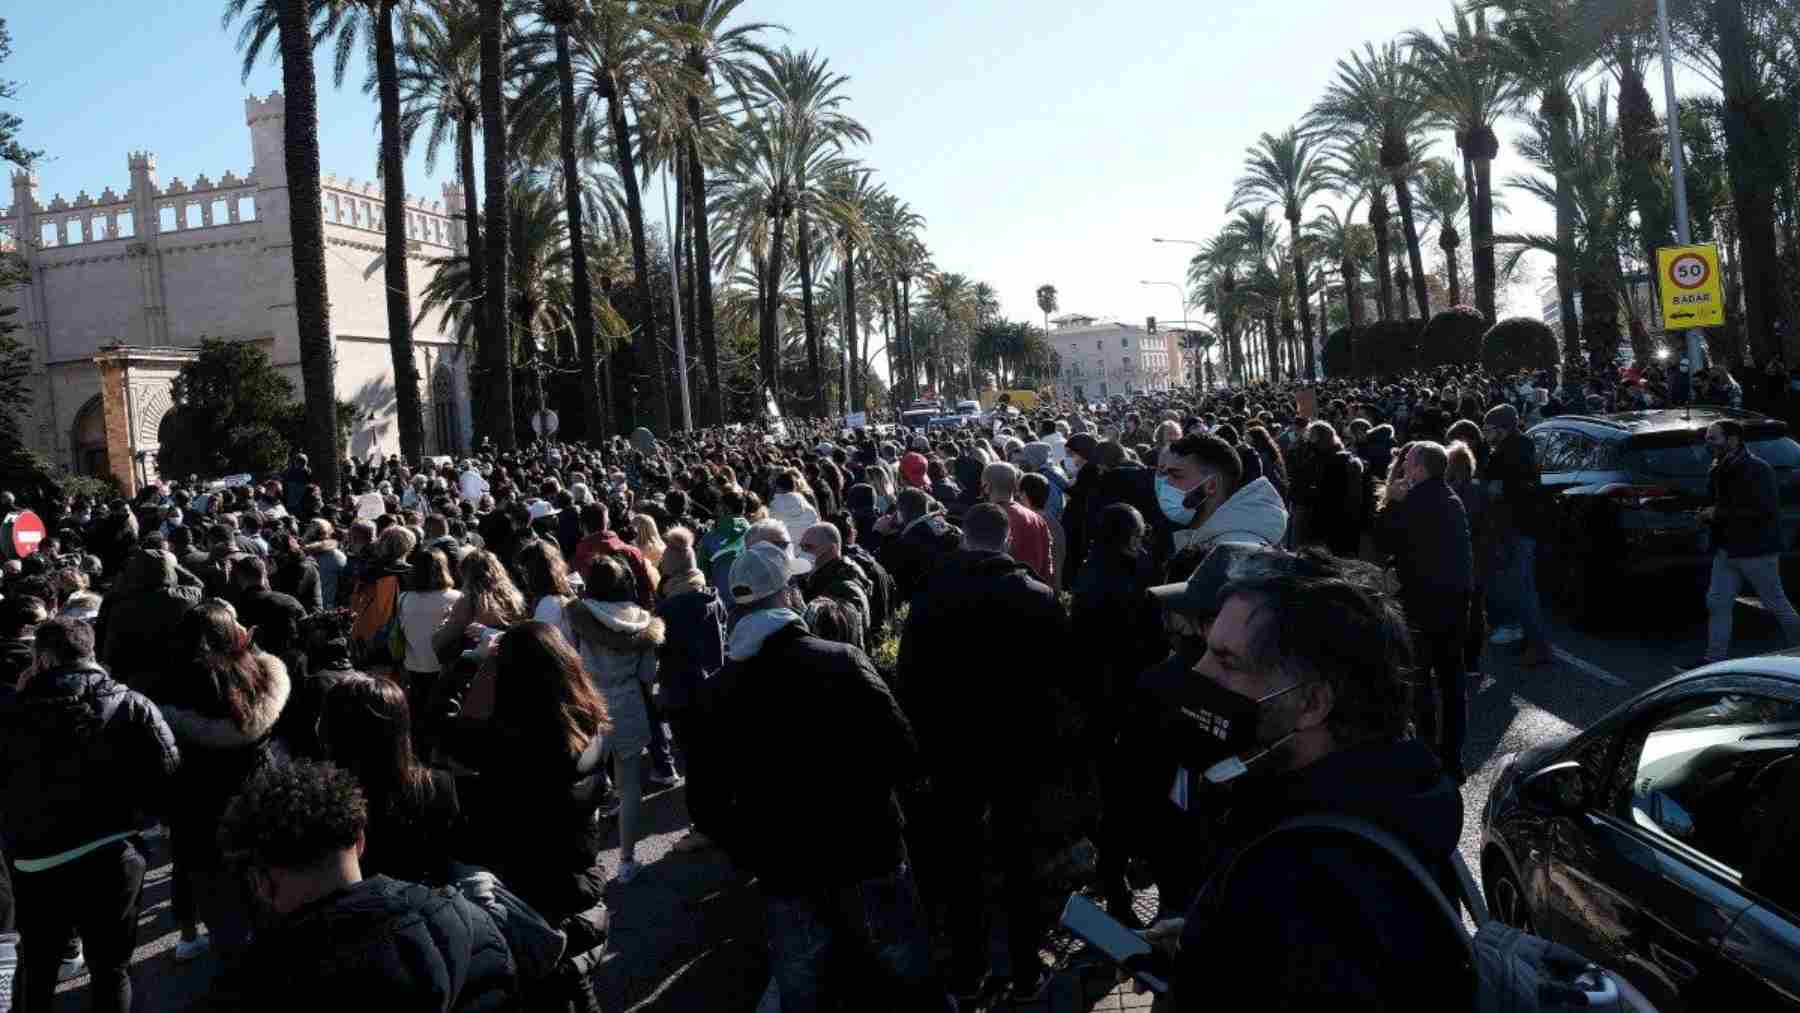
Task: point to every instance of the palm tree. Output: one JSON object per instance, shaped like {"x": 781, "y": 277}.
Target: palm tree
{"x": 1443, "y": 200}
{"x": 850, "y": 197}
{"x": 495, "y": 351}
{"x": 288, "y": 22}
{"x": 808, "y": 100}
{"x": 1588, "y": 178}
{"x": 349, "y": 22}
{"x": 1349, "y": 244}
{"x": 716, "y": 53}
{"x": 1467, "y": 88}
{"x": 1356, "y": 172}
{"x": 440, "y": 93}
{"x": 1546, "y": 45}
{"x": 1377, "y": 93}
{"x": 952, "y": 296}
{"x": 1286, "y": 170}
{"x": 901, "y": 257}
{"x": 1046, "y": 301}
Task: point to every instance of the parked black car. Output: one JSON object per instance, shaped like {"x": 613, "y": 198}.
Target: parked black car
{"x": 1664, "y": 842}
{"x": 1626, "y": 491}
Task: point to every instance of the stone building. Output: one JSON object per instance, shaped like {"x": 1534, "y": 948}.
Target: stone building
{"x": 124, "y": 286}
{"x": 1101, "y": 358}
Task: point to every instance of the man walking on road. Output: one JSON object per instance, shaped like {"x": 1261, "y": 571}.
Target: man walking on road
{"x": 1425, "y": 528}
{"x": 1515, "y": 493}
{"x": 1746, "y": 538}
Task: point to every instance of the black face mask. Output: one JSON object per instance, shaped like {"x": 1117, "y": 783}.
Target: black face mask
{"x": 1219, "y": 733}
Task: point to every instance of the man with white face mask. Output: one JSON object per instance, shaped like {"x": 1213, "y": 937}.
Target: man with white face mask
{"x": 1297, "y": 709}
{"x": 1198, "y": 491}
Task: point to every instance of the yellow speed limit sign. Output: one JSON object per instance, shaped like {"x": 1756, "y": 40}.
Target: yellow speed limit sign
{"x": 1691, "y": 293}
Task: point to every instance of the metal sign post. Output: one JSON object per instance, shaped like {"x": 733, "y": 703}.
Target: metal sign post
{"x": 1672, "y": 114}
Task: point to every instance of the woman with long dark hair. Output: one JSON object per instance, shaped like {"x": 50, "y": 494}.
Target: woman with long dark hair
{"x": 365, "y": 728}
{"x": 534, "y": 808}
{"x": 222, "y": 699}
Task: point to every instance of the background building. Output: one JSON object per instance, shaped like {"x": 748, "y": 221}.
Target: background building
{"x": 125, "y": 285}
{"x": 1101, "y": 358}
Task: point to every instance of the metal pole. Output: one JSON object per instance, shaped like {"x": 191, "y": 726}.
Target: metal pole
{"x": 681, "y": 368}
{"x": 1682, "y": 235}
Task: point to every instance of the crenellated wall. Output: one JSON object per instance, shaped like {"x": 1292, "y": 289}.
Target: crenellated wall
{"x": 163, "y": 265}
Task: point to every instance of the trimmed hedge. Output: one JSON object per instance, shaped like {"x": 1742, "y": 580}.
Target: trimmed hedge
{"x": 1335, "y": 357}
{"x": 1518, "y": 343}
{"x": 1452, "y": 337}
{"x": 1387, "y": 347}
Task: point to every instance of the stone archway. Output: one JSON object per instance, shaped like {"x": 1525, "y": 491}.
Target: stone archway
{"x": 88, "y": 438}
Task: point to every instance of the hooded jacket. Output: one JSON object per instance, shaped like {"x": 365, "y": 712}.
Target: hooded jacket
{"x": 842, "y": 580}
{"x": 221, "y": 750}
{"x": 912, "y": 555}
{"x": 395, "y": 946}
{"x": 984, "y": 645}
{"x": 618, "y": 642}
{"x": 764, "y": 704}
{"x": 331, "y": 562}
{"x": 1254, "y": 515}
{"x": 793, "y": 511}
{"x": 81, "y": 757}
{"x": 1307, "y": 922}
{"x": 132, "y": 630}
{"x": 693, "y": 650}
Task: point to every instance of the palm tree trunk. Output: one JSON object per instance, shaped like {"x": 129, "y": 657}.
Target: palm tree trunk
{"x": 705, "y": 328}
{"x": 300, "y": 138}
{"x": 771, "y": 317}
{"x": 1300, "y": 293}
{"x": 1481, "y": 229}
{"x": 496, "y": 344}
{"x": 581, "y": 290}
{"x": 1352, "y": 293}
{"x": 1403, "y": 192}
{"x": 853, "y": 339}
{"x": 393, "y": 193}
{"x": 1565, "y": 271}
{"x": 465, "y": 148}
{"x": 1378, "y": 221}
{"x": 903, "y": 313}
{"x": 1599, "y": 318}
{"x": 648, "y": 351}
{"x": 809, "y": 321}
{"x": 1753, "y": 130}
{"x": 1400, "y": 286}
{"x": 1449, "y": 241}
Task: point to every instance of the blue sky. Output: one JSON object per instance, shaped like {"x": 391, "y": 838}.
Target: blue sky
{"x": 1043, "y": 140}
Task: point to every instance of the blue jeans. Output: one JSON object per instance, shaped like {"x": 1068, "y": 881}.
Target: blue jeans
{"x": 873, "y": 930}
{"x": 1517, "y": 580}
{"x": 1729, "y": 574}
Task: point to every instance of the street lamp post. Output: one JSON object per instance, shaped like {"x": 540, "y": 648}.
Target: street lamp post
{"x": 1218, "y": 300}
{"x": 1675, "y": 161}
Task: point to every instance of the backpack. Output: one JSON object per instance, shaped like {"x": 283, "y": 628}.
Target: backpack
{"x": 881, "y": 593}
{"x": 1511, "y": 971}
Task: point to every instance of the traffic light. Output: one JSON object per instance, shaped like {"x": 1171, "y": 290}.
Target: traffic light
{"x": 1150, "y": 324}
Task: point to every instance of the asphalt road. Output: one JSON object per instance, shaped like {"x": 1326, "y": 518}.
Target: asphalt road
{"x": 688, "y": 932}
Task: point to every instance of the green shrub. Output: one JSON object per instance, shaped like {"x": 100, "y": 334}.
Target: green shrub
{"x": 1518, "y": 343}
{"x": 1452, "y": 338}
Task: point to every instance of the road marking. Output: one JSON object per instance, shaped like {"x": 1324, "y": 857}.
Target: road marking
{"x": 1587, "y": 667}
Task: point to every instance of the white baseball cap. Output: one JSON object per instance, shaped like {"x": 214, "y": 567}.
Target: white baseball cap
{"x": 759, "y": 571}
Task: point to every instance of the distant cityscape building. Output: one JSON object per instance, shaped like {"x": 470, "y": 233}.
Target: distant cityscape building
{"x": 1101, "y": 358}
{"x": 125, "y": 285}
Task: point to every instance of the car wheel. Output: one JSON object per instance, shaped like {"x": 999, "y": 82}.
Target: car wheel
{"x": 1506, "y": 900}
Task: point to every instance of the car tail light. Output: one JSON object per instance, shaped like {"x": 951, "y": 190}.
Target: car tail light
{"x": 1636, "y": 495}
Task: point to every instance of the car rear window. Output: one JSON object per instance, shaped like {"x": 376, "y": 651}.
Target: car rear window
{"x": 1693, "y": 460}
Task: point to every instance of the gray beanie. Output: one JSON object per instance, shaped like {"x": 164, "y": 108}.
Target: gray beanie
{"x": 1503, "y": 417}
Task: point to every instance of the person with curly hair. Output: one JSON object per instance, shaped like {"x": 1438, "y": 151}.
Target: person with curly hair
{"x": 328, "y": 933}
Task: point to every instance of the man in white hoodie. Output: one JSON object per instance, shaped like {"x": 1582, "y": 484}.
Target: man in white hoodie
{"x": 1198, "y": 489}
{"x": 791, "y": 508}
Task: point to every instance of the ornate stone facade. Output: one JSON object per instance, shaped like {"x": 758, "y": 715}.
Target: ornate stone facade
{"x": 137, "y": 279}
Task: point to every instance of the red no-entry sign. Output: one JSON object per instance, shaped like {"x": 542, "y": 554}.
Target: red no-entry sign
{"x": 25, "y": 531}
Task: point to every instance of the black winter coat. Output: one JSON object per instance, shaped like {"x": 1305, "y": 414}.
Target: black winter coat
{"x": 388, "y": 945}
{"x": 765, "y": 706}
{"x": 221, "y": 750}
{"x": 81, "y": 757}
{"x": 1519, "y": 508}
{"x": 299, "y": 578}
{"x": 917, "y": 551}
{"x": 693, "y": 647}
{"x": 1747, "y": 506}
{"x": 132, "y": 632}
{"x": 1427, "y": 533}
{"x": 1134, "y": 484}
{"x": 1116, "y": 633}
{"x": 1305, "y": 922}
{"x": 983, "y": 647}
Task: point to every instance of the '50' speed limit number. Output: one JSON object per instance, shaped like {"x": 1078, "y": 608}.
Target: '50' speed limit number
{"x": 1689, "y": 271}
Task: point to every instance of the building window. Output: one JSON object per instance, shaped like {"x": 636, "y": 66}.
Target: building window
{"x": 1124, "y": 342}
{"x": 246, "y": 208}
{"x": 72, "y": 229}
{"x": 97, "y": 227}
{"x": 1099, "y": 345}
{"x": 221, "y": 211}
{"x": 125, "y": 224}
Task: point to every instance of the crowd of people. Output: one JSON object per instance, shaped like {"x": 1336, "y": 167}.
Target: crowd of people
{"x": 386, "y": 733}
